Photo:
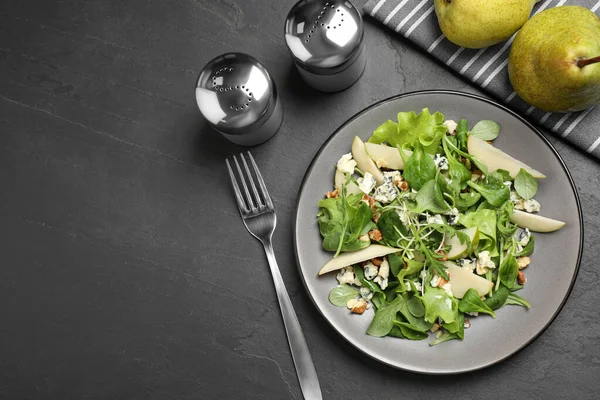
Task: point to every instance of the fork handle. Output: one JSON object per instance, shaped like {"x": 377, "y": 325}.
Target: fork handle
{"x": 307, "y": 376}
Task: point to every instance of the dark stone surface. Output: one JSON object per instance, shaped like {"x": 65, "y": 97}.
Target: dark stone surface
{"x": 126, "y": 272}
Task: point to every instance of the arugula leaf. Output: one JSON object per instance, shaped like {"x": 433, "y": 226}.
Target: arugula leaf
{"x": 486, "y": 130}
{"x": 383, "y": 320}
{"x": 418, "y": 323}
{"x": 478, "y": 163}
{"x": 430, "y": 198}
{"x": 462, "y": 130}
{"x": 444, "y": 338}
{"x": 525, "y": 184}
{"x": 409, "y": 331}
{"x": 472, "y": 303}
{"x": 517, "y": 300}
{"x": 509, "y": 269}
{"x": 528, "y": 249}
{"x": 419, "y": 168}
{"x": 340, "y": 295}
{"x": 439, "y": 304}
{"x": 492, "y": 189}
{"x": 497, "y": 300}
{"x": 503, "y": 214}
{"x": 506, "y": 177}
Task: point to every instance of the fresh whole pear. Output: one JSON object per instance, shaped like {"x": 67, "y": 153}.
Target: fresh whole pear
{"x": 554, "y": 62}
{"x": 481, "y": 23}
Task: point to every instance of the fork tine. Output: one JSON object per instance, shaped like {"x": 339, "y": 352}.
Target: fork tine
{"x": 243, "y": 179}
{"x": 236, "y": 189}
{"x": 261, "y": 183}
{"x": 256, "y": 196}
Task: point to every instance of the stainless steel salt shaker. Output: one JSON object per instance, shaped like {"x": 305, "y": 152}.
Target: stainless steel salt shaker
{"x": 237, "y": 96}
{"x": 325, "y": 39}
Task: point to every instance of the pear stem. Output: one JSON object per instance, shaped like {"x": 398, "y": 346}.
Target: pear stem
{"x": 587, "y": 61}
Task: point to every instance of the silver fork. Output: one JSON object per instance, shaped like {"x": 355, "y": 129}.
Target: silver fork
{"x": 259, "y": 218}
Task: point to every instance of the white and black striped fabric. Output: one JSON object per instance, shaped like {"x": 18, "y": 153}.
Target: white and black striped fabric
{"x": 487, "y": 68}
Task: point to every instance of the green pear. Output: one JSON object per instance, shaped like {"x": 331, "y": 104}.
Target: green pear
{"x": 481, "y": 23}
{"x": 554, "y": 62}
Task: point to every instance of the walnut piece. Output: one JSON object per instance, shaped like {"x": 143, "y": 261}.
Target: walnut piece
{"x": 333, "y": 194}
{"x": 375, "y": 234}
{"x": 359, "y": 307}
{"x": 523, "y": 262}
{"x": 521, "y": 278}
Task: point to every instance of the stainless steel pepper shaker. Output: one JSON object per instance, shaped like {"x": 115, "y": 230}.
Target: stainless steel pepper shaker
{"x": 237, "y": 96}
{"x": 325, "y": 39}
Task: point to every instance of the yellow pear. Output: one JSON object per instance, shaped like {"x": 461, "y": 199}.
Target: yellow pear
{"x": 481, "y": 23}
{"x": 554, "y": 62}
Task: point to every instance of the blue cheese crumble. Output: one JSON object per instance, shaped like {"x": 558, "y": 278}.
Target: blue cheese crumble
{"x": 366, "y": 183}
{"x": 441, "y": 162}
{"x": 346, "y": 164}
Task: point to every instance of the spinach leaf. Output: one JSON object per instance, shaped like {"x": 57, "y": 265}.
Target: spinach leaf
{"x": 409, "y": 332}
{"x": 396, "y": 332}
{"x": 341, "y": 223}
{"x": 360, "y": 275}
{"x": 391, "y": 228}
{"x": 383, "y": 320}
{"x": 396, "y": 263}
{"x": 497, "y": 300}
{"x": 462, "y": 129}
{"x": 416, "y": 307}
{"x": 472, "y": 303}
{"x": 466, "y": 200}
{"x": 525, "y": 184}
{"x": 418, "y": 323}
{"x": 492, "y": 189}
{"x": 444, "y": 338}
{"x": 528, "y": 249}
{"x": 439, "y": 304}
{"x": 430, "y": 198}
{"x": 509, "y": 268}
{"x": 517, "y": 300}
{"x": 378, "y": 299}
{"x": 419, "y": 168}
{"x": 486, "y": 130}
{"x": 340, "y": 295}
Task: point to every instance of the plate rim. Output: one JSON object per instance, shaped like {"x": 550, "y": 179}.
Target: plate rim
{"x": 494, "y": 104}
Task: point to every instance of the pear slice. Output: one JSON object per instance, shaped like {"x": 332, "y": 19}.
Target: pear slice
{"x": 351, "y": 258}
{"x": 535, "y": 223}
{"x": 495, "y": 158}
{"x": 386, "y": 156}
{"x": 458, "y": 249}
{"x": 363, "y": 161}
{"x": 351, "y": 187}
{"x": 462, "y": 279}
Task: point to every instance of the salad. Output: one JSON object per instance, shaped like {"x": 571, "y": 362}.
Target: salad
{"x": 430, "y": 226}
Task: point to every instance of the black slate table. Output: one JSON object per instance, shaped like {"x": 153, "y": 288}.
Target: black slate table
{"x": 125, "y": 270}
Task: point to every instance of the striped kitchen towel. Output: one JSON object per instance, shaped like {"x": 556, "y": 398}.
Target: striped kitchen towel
{"x": 487, "y": 68}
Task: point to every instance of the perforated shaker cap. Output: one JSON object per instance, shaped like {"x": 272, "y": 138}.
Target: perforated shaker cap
{"x": 236, "y": 94}
{"x": 324, "y": 37}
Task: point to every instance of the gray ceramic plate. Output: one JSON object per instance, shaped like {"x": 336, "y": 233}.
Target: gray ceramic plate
{"x": 550, "y": 277}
